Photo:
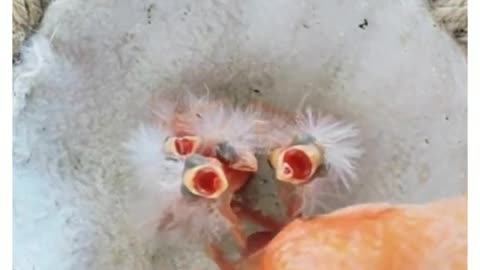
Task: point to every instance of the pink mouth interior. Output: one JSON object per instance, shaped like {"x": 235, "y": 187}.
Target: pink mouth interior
{"x": 299, "y": 162}
{"x": 206, "y": 181}
{"x": 184, "y": 146}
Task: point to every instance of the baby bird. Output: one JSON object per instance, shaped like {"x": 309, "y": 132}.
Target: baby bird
{"x": 308, "y": 151}
{"x": 189, "y": 164}
{"x": 375, "y": 236}
{"x": 214, "y": 128}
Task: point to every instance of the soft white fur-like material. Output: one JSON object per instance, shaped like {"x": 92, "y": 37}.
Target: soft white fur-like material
{"x": 162, "y": 214}
{"x": 87, "y": 76}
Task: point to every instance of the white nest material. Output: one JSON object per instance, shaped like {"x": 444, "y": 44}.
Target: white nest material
{"x": 87, "y": 75}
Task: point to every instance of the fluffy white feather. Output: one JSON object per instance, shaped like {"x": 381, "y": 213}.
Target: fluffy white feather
{"x": 161, "y": 211}
{"x": 276, "y": 127}
{"x": 214, "y": 120}
{"x": 340, "y": 141}
{"x": 234, "y": 125}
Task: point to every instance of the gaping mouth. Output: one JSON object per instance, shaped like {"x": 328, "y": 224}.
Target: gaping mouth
{"x": 182, "y": 146}
{"x": 208, "y": 181}
{"x": 296, "y": 164}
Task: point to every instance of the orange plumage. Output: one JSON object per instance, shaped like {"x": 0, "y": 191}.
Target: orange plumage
{"x": 370, "y": 236}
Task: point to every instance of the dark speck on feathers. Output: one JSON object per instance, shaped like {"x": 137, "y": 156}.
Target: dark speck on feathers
{"x": 364, "y": 24}
{"x": 427, "y": 141}
{"x": 306, "y": 26}
{"x": 446, "y": 118}
{"x": 198, "y": 115}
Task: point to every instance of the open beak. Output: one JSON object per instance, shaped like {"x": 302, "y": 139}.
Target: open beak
{"x": 296, "y": 164}
{"x": 204, "y": 177}
{"x": 182, "y": 146}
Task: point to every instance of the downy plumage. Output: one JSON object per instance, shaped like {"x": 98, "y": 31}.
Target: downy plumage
{"x": 189, "y": 164}
{"x": 309, "y": 151}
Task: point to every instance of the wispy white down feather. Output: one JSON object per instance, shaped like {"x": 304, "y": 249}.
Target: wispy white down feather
{"x": 220, "y": 121}
{"x": 340, "y": 142}
{"x": 211, "y": 119}
{"x": 164, "y": 111}
{"x": 274, "y": 128}
{"x": 161, "y": 211}
{"x": 233, "y": 125}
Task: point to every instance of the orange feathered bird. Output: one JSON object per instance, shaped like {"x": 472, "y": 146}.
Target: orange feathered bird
{"x": 370, "y": 236}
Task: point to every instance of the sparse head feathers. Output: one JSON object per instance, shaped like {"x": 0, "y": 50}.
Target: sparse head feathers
{"x": 274, "y": 127}
{"x": 340, "y": 141}
{"x": 213, "y": 120}
{"x": 222, "y": 123}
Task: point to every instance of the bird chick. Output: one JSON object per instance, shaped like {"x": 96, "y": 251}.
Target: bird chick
{"x": 190, "y": 163}
{"x": 210, "y": 127}
{"x": 307, "y": 152}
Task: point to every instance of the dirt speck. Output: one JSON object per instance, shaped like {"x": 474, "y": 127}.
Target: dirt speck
{"x": 423, "y": 173}
{"x": 256, "y": 91}
{"x": 149, "y": 13}
{"x": 364, "y": 24}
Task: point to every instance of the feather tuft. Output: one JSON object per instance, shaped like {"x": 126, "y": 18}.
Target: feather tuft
{"x": 340, "y": 142}
{"x": 161, "y": 212}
